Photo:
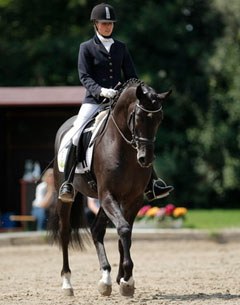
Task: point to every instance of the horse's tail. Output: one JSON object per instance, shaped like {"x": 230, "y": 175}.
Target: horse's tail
{"x": 79, "y": 233}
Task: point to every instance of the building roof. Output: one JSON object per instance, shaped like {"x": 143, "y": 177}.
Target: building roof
{"x": 41, "y": 96}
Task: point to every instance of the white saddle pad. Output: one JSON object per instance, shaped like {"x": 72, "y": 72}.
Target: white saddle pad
{"x": 67, "y": 140}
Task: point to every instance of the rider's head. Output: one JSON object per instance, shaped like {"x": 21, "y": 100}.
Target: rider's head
{"x": 103, "y": 17}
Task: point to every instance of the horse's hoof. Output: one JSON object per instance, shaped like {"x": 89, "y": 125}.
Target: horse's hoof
{"x": 104, "y": 289}
{"x": 126, "y": 288}
{"x": 68, "y": 292}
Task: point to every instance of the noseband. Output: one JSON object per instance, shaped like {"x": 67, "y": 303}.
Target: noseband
{"x": 134, "y": 142}
{"x": 136, "y": 138}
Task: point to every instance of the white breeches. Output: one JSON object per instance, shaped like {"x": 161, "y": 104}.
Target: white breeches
{"x": 85, "y": 112}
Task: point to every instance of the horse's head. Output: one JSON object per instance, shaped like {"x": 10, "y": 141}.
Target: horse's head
{"x": 144, "y": 122}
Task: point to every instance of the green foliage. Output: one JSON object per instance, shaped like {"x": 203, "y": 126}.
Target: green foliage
{"x": 40, "y": 41}
{"x": 216, "y": 137}
{"x": 189, "y": 46}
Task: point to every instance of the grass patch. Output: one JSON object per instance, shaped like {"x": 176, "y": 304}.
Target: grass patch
{"x": 212, "y": 219}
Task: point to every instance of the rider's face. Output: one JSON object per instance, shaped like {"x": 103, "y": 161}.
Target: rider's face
{"x": 105, "y": 28}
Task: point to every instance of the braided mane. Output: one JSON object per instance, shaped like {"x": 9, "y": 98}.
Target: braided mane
{"x": 132, "y": 82}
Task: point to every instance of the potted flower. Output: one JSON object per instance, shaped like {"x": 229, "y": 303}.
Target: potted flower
{"x": 169, "y": 216}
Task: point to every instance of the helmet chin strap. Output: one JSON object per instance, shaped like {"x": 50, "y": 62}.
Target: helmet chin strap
{"x": 110, "y": 36}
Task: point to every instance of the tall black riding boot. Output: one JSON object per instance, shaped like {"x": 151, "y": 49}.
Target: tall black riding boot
{"x": 66, "y": 191}
{"x": 157, "y": 188}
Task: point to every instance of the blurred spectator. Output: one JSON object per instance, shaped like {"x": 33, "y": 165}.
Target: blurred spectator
{"x": 45, "y": 197}
{"x": 92, "y": 209}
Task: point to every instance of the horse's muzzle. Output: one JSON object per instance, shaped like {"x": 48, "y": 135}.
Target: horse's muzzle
{"x": 145, "y": 157}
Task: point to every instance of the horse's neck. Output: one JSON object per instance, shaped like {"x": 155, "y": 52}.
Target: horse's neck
{"x": 124, "y": 106}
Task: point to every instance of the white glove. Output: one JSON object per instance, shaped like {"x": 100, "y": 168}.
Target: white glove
{"x": 108, "y": 93}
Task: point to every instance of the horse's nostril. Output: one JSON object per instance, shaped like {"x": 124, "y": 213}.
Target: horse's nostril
{"x": 141, "y": 160}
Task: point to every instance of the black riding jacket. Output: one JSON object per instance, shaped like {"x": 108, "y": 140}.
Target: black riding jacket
{"x": 99, "y": 68}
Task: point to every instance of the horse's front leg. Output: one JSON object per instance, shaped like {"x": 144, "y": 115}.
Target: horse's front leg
{"x": 98, "y": 230}
{"x": 125, "y": 276}
{"x": 124, "y": 229}
{"x": 120, "y": 274}
{"x": 64, "y": 210}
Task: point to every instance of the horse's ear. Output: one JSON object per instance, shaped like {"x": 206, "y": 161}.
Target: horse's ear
{"x": 141, "y": 90}
{"x": 164, "y": 95}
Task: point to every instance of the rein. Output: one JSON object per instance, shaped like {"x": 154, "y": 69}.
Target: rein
{"x": 132, "y": 142}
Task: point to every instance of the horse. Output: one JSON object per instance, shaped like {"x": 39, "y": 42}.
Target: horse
{"x": 122, "y": 164}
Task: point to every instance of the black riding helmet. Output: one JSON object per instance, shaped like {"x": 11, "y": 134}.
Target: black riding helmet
{"x": 103, "y": 12}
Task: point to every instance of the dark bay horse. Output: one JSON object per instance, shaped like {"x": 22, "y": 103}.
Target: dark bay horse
{"x": 122, "y": 166}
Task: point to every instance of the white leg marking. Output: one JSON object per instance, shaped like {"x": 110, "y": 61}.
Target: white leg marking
{"x": 105, "y": 284}
{"x": 66, "y": 281}
{"x": 130, "y": 282}
{"x": 106, "y": 278}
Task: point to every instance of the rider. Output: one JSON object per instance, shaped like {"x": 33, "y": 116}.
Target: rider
{"x": 101, "y": 62}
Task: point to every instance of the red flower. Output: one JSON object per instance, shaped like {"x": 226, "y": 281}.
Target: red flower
{"x": 169, "y": 209}
{"x": 143, "y": 210}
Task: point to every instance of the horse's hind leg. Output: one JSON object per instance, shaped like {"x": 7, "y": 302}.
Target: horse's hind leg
{"x": 64, "y": 210}
{"x": 98, "y": 230}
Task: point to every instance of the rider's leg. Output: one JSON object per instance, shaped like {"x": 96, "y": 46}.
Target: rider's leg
{"x": 157, "y": 188}
{"x": 66, "y": 191}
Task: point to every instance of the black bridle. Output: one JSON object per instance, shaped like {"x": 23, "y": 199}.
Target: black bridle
{"x": 134, "y": 142}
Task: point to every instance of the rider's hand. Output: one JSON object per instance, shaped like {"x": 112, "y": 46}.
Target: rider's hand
{"x": 108, "y": 93}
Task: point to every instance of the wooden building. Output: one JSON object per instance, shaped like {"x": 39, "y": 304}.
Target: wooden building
{"x": 29, "y": 120}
